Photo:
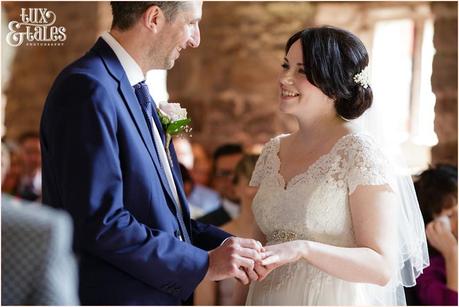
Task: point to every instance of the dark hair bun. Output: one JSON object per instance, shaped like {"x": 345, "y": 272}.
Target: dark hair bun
{"x": 332, "y": 57}
{"x": 356, "y": 104}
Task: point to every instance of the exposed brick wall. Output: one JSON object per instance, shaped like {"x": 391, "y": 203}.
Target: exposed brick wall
{"x": 229, "y": 84}
{"x": 444, "y": 81}
{"x": 34, "y": 68}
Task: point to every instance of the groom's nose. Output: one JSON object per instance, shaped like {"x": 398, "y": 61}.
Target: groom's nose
{"x": 195, "y": 38}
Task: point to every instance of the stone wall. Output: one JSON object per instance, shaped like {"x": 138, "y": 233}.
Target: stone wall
{"x": 34, "y": 68}
{"x": 444, "y": 81}
{"x": 230, "y": 83}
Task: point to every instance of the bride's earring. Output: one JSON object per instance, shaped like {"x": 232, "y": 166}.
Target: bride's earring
{"x": 343, "y": 118}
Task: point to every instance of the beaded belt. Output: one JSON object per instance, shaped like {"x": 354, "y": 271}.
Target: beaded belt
{"x": 283, "y": 236}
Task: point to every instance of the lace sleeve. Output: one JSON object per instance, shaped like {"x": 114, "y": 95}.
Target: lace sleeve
{"x": 261, "y": 165}
{"x": 366, "y": 164}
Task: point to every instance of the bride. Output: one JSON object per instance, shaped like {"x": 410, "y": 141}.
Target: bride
{"x": 328, "y": 207}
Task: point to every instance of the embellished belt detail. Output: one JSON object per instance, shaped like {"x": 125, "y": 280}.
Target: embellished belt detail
{"x": 283, "y": 236}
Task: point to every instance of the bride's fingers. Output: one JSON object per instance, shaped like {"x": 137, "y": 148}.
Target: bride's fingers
{"x": 266, "y": 254}
{"x": 270, "y": 260}
{"x": 271, "y": 267}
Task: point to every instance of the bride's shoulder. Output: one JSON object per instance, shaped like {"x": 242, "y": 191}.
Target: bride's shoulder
{"x": 273, "y": 143}
{"x": 359, "y": 140}
{"x": 280, "y": 137}
{"x": 360, "y": 145}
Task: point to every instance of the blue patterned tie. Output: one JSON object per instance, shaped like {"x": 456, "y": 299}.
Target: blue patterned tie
{"x": 148, "y": 106}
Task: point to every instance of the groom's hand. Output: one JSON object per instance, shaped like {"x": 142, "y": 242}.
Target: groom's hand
{"x": 262, "y": 271}
{"x": 236, "y": 257}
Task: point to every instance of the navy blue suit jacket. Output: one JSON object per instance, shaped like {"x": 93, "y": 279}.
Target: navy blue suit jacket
{"x": 101, "y": 165}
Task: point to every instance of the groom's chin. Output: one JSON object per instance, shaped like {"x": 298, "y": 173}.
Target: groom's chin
{"x": 169, "y": 64}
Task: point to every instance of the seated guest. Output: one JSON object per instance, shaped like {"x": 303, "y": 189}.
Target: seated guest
{"x": 225, "y": 160}
{"x": 10, "y": 182}
{"x": 221, "y": 293}
{"x": 202, "y": 165}
{"x": 436, "y": 190}
{"x": 201, "y": 199}
{"x": 30, "y": 182}
{"x": 183, "y": 150}
{"x": 38, "y": 266}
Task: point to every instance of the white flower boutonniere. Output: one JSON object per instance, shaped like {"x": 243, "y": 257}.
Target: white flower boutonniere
{"x": 174, "y": 120}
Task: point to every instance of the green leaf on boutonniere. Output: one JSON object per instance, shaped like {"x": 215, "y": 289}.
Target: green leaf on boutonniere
{"x": 178, "y": 126}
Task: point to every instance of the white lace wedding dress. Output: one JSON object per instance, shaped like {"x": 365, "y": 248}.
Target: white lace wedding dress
{"x": 313, "y": 206}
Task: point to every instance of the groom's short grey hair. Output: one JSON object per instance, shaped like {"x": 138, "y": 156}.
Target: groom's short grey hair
{"x": 126, "y": 13}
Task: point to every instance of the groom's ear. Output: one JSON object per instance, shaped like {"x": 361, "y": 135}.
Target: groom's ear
{"x": 153, "y": 18}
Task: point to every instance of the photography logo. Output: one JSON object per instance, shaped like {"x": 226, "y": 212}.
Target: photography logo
{"x": 36, "y": 28}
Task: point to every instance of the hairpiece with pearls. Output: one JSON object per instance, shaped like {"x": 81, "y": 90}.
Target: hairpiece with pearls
{"x": 362, "y": 78}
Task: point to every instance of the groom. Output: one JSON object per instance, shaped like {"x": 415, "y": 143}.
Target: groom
{"x": 104, "y": 162}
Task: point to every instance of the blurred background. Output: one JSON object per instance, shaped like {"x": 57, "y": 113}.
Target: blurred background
{"x": 229, "y": 84}
{"x": 230, "y": 87}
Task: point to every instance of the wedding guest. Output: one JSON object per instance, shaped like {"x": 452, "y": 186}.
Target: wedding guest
{"x": 5, "y": 160}
{"x": 38, "y": 265}
{"x": 202, "y": 166}
{"x": 13, "y": 173}
{"x": 436, "y": 190}
{"x": 221, "y": 293}
{"x": 202, "y": 199}
{"x": 29, "y": 187}
{"x": 225, "y": 159}
{"x": 242, "y": 224}
{"x": 183, "y": 150}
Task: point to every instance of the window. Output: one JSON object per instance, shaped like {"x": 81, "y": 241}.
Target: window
{"x": 401, "y": 68}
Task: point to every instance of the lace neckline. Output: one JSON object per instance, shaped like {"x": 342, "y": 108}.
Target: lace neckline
{"x": 311, "y": 168}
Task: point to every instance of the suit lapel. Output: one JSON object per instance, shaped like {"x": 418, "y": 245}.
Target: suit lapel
{"x": 127, "y": 92}
{"x": 179, "y": 184}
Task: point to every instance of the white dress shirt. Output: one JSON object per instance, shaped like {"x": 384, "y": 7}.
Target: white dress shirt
{"x": 135, "y": 75}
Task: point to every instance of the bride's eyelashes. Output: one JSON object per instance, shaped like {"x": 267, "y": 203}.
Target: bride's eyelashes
{"x": 285, "y": 66}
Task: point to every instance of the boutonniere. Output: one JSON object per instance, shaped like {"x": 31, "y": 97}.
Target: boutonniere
{"x": 174, "y": 120}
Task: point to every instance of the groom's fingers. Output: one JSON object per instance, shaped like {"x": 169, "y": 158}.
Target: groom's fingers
{"x": 252, "y": 274}
{"x": 261, "y": 271}
{"x": 250, "y": 253}
{"x": 244, "y": 262}
{"x": 242, "y": 277}
{"x": 248, "y": 265}
{"x": 266, "y": 254}
{"x": 249, "y": 243}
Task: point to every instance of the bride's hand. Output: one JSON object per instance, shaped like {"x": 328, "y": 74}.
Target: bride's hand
{"x": 279, "y": 255}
